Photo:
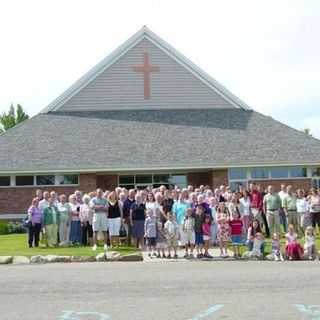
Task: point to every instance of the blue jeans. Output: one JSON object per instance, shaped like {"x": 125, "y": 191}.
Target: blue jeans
{"x": 250, "y": 246}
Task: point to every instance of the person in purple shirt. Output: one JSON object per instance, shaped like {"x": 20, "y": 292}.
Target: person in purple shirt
{"x": 35, "y": 220}
{"x": 203, "y": 204}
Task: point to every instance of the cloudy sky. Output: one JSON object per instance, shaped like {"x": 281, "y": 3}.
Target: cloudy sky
{"x": 265, "y": 52}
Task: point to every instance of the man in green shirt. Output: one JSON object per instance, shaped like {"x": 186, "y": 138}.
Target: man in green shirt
{"x": 271, "y": 205}
{"x": 289, "y": 204}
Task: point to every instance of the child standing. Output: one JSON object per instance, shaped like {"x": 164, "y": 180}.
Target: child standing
{"x": 206, "y": 231}
{"x": 223, "y": 234}
{"x": 310, "y": 244}
{"x": 161, "y": 240}
{"x": 198, "y": 230}
{"x": 150, "y": 232}
{"x": 172, "y": 233}
{"x": 188, "y": 228}
{"x": 236, "y": 226}
{"x": 294, "y": 250}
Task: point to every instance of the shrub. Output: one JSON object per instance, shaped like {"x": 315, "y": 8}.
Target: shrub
{"x": 4, "y": 227}
{"x": 16, "y": 227}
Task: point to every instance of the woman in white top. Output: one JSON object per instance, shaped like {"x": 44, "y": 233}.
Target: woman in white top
{"x": 314, "y": 202}
{"x": 65, "y": 220}
{"x": 303, "y": 210}
{"x": 85, "y": 215}
{"x": 233, "y": 206}
{"x": 245, "y": 210}
{"x": 153, "y": 205}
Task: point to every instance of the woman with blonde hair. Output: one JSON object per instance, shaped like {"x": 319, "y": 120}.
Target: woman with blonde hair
{"x": 115, "y": 217}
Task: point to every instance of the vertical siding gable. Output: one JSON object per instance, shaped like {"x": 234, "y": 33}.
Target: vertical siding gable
{"x": 120, "y": 87}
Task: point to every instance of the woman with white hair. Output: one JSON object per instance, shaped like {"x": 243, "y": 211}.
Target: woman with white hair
{"x": 86, "y": 213}
{"x": 75, "y": 228}
{"x": 65, "y": 220}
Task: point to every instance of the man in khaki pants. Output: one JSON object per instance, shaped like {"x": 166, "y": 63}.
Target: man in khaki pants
{"x": 271, "y": 205}
{"x": 289, "y": 204}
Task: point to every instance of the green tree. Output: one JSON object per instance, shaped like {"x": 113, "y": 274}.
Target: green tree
{"x": 307, "y": 131}
{"x": 11, "y": 118}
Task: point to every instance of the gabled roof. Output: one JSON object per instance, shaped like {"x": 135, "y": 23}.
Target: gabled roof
{"x": 111, "y": 59}
{"x": 134, "y": 140}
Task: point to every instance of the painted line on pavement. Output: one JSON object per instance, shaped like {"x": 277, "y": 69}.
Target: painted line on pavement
{"x": 312, "y": 311}
{"x": 208, "y": 312}
{"x": 74, "y": 315}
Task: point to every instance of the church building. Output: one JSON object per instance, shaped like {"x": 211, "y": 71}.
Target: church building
{"x": 146, "y": 115}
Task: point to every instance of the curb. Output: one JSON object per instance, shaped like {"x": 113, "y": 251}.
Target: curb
{"x": 111, "y": 256}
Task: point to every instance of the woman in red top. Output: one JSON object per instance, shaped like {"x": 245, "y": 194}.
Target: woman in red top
{"x": 236, "y": 226}
{"x": 206, "y": 232}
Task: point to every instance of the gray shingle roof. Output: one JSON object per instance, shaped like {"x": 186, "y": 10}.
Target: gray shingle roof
{"x": 152, "y": 139}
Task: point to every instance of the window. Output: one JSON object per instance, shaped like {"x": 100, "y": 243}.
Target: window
{"x": 298, "y": 172}
{"x": 126, "y": 179}
{"x": 279, "y": 172}
{"x": 45, "y": 180}
{"x": 141, "y": 181}
{"x": 235, "y": 185}
{"x": 68, "y": 179}
{"x": 315, "y": 172}
{"x": 179, "y": 180}
{"x": 24, "y": 181}
{"x": 161, "y": 178}
{"x": 237, "y": 173}
{"x": 259, "y": 173}
{"x": 5, "y": 181}
{"x": 144, "y": 179}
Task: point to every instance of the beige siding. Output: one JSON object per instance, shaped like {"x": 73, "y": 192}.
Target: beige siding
{"x": 121, "y": 87}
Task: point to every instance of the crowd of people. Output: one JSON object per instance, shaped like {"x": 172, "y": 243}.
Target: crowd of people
{"x": 161, "y": 220}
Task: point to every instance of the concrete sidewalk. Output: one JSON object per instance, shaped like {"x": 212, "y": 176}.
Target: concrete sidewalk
{"x": 214, "y": 252}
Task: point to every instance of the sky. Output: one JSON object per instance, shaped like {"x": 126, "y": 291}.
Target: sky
{"x": 266, "y": 52}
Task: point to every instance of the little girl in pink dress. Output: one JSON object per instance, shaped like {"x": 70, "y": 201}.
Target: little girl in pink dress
{"x": 294, "y": 251}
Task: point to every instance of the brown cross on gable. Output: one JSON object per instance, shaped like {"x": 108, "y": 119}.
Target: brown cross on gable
{"x": 146, "y": 69}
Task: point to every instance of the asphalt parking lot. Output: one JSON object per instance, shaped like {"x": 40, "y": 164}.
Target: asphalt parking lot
{"x": 172, "y": 290}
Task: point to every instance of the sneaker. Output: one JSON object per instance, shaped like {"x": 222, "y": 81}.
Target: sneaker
{"x": 105, "y": 247}
{"x": 158, "y": 255}
{"x": 276, "y": 258}
{"x": 94, "y": 248}
{"x": 310, "y": 258}
{"x": 149, "y": 255}
{"x": 290, "y": 258}
{"x": 186, "y": 256}
{"x": 176, "y": 256}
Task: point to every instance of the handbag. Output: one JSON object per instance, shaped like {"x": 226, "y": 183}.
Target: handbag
{"x": 123, "y": 232}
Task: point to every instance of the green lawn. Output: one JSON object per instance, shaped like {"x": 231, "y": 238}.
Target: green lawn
{"x": 17, "y": 245}
{"x": 267, "y": 245}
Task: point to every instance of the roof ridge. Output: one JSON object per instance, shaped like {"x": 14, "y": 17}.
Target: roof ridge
{"x": 115, "y": 55}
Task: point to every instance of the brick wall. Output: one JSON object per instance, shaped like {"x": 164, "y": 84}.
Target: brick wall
{"x": 107, "y": 182}
{"x": 199, "y": 178}
{"x": 17, "y": 200}
{"x": 219, "y": 177}
{"x": 305, "y": 184}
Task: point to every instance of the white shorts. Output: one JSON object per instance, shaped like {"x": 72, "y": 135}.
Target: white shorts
{"x": 182, "y": 236}
{"x": 206, "y": 238}
{"x": 99, "y": 222}
{"x": 114, "y": 226}
{"x": 190, "y": 237}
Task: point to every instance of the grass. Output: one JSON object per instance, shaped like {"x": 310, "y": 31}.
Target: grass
{"x": 17, "y": 245}
{"x": 267, "y": 245}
